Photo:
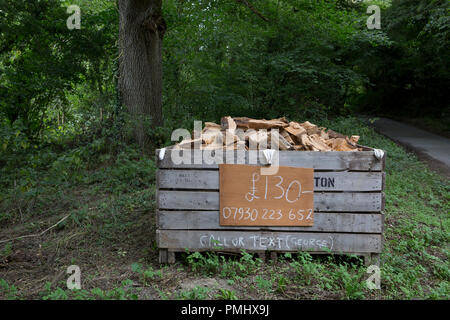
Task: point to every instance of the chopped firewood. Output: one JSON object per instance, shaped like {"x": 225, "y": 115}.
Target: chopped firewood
{"x": 244, "y": 133}
{"x": 340, "y": 144}
{"x": 211, "y": 135}
{"x": 310, "y": 128}
{"x": 229, "y": 137}
{"x": 240, "y": 145}
{"x": 241, "y": 122}
{"x": 324, "y": 135}
{"x": 266, "y": 124}
{"x": 241, "y": 134}
{"x": 287, "y": 136}
{"x": 333, "y": 134}
{"x": 212, "y": 146}
{"x": 319, "y": 143}
{"x": 280, "y": 142}
{"x": 228, "y": 123}
{"x": 190, "y": 143}
{"x": 282, "y": 119}
{"x": 296, "y": 131}
{"x": 306, "y": 142}
{"x": 211, "y": 125}
{"x": 294, "y": 125}
{"x": 258, "y": 139}
{"x": 354, "y": 139}
{"x": 351, "y": 142}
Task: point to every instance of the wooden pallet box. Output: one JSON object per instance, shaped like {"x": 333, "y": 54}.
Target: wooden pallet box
{"x": 348, "y": 213}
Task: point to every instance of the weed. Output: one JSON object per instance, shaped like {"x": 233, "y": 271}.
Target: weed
{"x": 196, "y": 293}
{"x": 226, "y": 294}
{"x": 263, "y": 284}
{"x": 8, "y": 291}
{"x": 211, "y": 263}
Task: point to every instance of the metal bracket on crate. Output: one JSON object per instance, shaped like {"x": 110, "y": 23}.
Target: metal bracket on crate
{"x": 378, "y": 153}
{"x": 268, "y": 155}
{"x": 161, "y": 154}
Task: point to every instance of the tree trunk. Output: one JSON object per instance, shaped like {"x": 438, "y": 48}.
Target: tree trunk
{"x": 141, "y": 32}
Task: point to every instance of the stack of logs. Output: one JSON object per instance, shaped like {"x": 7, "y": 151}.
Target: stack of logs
{"x": 245, "y": 133}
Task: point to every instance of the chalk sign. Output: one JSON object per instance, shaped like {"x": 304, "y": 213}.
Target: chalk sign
{"x": 248, "y": 198}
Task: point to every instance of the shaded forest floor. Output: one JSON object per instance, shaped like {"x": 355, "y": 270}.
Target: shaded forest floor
{"x": 109, "y": 232}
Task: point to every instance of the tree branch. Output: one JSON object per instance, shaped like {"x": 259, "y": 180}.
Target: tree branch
{"x": 252, "y": 8}
{"x": 36, "y": 234}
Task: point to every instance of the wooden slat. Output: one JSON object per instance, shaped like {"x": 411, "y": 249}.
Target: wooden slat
{"x": 333, "y": 160}
{"x": 263, "y": 240}
{"x": 323, "y": 181}
{"x": 327, "y": 202}
{"x": 323, "y": 222}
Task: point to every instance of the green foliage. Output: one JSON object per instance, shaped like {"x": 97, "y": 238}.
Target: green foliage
{"x": 197, "y": 293}
{"x": 263, "y": 284}
{"x": 226, "y": 294}
{"x": 211, "y": 263}
{"x": 123, "y": 292}
{"x": 238, "y": 64}
{"x": 146, "y": 275}
{"x": 41, "y": 59}
{"x": 6, "y": 251}
{"x": 7, "y": 291}
{"x": 409, "y": 77}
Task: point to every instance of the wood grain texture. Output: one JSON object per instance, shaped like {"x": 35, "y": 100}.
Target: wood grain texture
{"x": 264, "y": 240}
{"x": 325, "y": 202}
{"x": 333, "y": 160}
{"x": 323, "y": 222}
{"x": 324, "y": 181}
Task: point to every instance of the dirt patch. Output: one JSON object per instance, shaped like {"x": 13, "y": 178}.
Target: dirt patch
{"x": 209, "y": 283}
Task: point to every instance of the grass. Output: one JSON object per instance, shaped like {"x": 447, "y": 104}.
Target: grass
{"x": 110, "y": 234}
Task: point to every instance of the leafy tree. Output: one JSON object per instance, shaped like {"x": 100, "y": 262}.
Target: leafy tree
{"x": 41, "y": 59}
{"x": 412, "y": 73}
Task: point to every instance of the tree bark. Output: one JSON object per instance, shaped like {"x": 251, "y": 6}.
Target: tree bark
{"x": 141, "y": 32}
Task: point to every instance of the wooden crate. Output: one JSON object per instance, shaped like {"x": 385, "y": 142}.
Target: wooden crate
{"x": 348, "y": 215}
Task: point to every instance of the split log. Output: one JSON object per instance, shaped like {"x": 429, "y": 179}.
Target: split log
{"x": 211, "y": 125}
{"x": 229, "y": 137}
{"x": 310, "y": 128}
{"x": 258, "y": 139}
{"x": 211, "y": 136}
{"x": 241, "y": 122}
{"x": 296, "y": 131}
{"x": 212, "y": 146}
{"x": 354, "y": 139}
{"x": 266, "y": 124}
{"x": 244, "y": 133}
{"x": 190, "y": 143}
{"x": 280, "y": 142}
{"x": 341, "y": 144}
{"x": 287, "y": 136}
{"x": 318, "y": 143}
{"x": 228, "y": 123}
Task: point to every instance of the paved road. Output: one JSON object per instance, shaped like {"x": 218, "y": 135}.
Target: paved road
{"x": 433, "y": 148}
